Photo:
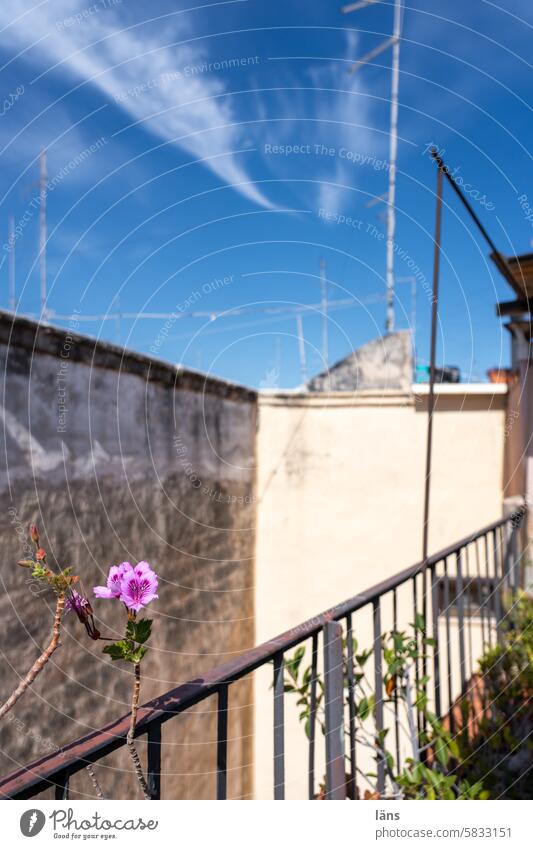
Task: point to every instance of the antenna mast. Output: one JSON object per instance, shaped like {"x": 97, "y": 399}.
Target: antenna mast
{"x": 393, "y": 153}
{"x": 42, "y": 229}
{"x": 393, "y": 42}
{"x": 324, "y": 295}
{"x": 301, "y": 347}
{"x": 11, "y": 243}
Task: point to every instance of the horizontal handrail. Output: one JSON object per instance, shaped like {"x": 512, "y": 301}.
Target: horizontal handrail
{"x": 73, "y": 757}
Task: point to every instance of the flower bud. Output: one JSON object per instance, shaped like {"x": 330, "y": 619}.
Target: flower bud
{"x": 34, "y": 534}
{"x": 41, "y": 554}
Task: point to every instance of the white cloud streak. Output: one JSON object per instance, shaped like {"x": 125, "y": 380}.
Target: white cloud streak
{"x": 195, "y": 112}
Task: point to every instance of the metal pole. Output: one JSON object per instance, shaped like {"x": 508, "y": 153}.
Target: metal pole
{"x": 301, "y": 347}
{"x": 393, "y": 152}
{"x": 324, "y": 295}
{"x": 501, "y": 261}
{"x": 42, "y": 228}
{"x": 334, "y": 711}
{"x": 11, "y": 243}
{"x": 433, "y": 351}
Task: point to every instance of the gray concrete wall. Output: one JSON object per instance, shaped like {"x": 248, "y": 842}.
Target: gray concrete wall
{"x": 117, "y": 457}
{"x": 382, "y": 363}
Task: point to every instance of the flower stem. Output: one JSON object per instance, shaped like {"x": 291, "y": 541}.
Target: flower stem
{"x": 131, "y": 733}
{"x": 95, "y": 782}
{"x": 39, "y": 664}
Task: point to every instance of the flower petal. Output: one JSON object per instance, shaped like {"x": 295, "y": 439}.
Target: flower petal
{"x": 103, "y": 592}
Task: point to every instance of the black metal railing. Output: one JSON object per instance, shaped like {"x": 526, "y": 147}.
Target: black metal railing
{"x": 455, "y": 590}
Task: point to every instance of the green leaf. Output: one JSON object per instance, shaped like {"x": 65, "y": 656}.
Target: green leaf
{"x": 137, "y": 655}
{"x": 442, "y": 752}
{"x": 142, "y": 630}
{"x": 363, "y": 709}
{"x": 117, "y": 651}
{"x": 420, "y": 624}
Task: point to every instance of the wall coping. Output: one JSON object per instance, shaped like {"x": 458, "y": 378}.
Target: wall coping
{"x": 43, "y": 338}
{"x": 375, "y": 397}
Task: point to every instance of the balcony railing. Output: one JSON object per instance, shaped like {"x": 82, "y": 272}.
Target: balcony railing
{"x": 455, "y": 590}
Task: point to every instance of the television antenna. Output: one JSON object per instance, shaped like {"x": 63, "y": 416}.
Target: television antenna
{"x": 394, "y": 43}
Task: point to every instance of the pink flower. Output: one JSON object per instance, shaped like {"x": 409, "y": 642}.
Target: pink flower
{"x": 113, "y": 589}
{"x": 138, "y": 587}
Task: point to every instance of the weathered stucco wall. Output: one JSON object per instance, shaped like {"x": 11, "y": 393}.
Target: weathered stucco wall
{"x": 382, "y": 363}
{"x": 340, "y": 486}
{"x": 120, "y": 458}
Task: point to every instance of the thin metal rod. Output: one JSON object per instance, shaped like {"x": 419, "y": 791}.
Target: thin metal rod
{"x": 432, "y": 357}
{"x": 312, "y": 715}
{"x": 417, "y": 643}
{"x": 360, "y": 4}
{"x": 11, "y": 244}
{"x": 61, "y": 790}
{"x": 393, "y": 155}
{"x": 448, "y": 642}
{"x": 334, "y": 711}
{"x": 502, "y": 263}
{"x": 469, "y": 597}
{"x": 154, "y": 760}
{"x": 459, "y": 602}
{"x": 396, "y": 713}
{"x": 378, "y": 685}
{"x": 490, "y": 591}
{"x": 431, "y": 396}
{"x": 498, "y": 572}
{"x": 42, "y": 227}
{"x": 480, "y": 604}
{"x": 351, "y": 704}
{"x": 324, "y": 316}
{"x": 222, "y": 742}
{"x": 279, "y": 729}
{"x": 435, "y": 635}
{"x": 376, "y": 51}
{"x": 301, "y": 346}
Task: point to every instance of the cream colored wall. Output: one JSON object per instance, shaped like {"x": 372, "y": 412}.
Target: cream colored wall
{"x": 340, "y": 488}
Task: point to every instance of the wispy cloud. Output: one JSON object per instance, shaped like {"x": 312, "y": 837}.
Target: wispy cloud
{"x": 327, "y": 113}
{"x": 91, "y": 44}
{"x": 345, "y": 113}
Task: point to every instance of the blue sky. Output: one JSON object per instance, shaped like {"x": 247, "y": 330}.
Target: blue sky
{"x": 204, "y": 157}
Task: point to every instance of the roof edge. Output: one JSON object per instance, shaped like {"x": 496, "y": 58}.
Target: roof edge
{"x": 43, "y": 338}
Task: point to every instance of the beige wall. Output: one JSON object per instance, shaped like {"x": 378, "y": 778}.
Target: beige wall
{"x": 340, "y": 490}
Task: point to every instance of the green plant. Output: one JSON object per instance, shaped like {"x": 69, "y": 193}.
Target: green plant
{"x": 60, "y": 583}
{"x": 424, "y": 773}
{"x": 496, "y": 745}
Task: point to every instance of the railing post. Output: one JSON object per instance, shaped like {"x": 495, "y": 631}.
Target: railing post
{"x": 222, "y": 742}
{"x": 61, "y": 789}
{"x": 351, "y": 708}
{"x": 378, "y": 684}
{"x": 312, "y": 716}
{"x": 334, "y": 708}
{"x": 435, "y": 635}
{"x": 498, "y": 586}
{"x": 279, "y": 729}
{"x": 459, "y": 601}
{"x": 154, "y": 760}
{"x": 514, "y": 556}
